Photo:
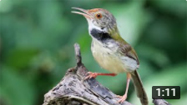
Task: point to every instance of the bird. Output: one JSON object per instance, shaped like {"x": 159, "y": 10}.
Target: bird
{"x": 111, "y": 51}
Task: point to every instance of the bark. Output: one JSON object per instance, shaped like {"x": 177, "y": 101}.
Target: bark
{"x": 74, "y": 90}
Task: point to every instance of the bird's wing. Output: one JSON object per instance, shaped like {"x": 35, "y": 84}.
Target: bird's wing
{"x": 127, "y": 50}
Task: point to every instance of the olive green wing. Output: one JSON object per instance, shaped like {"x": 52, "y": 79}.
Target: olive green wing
{"x": 127, "y": 50}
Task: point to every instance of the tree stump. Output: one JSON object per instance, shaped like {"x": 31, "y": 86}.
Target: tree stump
{"x": 74, "y": 90}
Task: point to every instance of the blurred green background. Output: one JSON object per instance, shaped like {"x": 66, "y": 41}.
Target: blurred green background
{"x": 37, "y": 37}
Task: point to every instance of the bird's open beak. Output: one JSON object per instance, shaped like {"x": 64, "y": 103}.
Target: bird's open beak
{"x": 83, "y": 12}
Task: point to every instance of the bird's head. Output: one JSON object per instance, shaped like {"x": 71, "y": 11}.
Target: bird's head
{"x": 99, "y": 19}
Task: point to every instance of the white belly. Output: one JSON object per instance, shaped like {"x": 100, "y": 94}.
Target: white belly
{"x": 110, "y": 60}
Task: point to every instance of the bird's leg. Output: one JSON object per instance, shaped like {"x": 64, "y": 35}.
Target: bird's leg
{"x": 124, "y": 97}
{"x": 94, "y": 75}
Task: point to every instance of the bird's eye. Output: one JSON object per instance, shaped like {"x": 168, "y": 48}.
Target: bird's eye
{"x": 99, "y": 15}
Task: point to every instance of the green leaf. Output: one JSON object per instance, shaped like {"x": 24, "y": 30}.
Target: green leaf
{"x": 20, "y": 58}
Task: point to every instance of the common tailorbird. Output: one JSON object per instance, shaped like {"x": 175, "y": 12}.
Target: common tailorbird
{"x": 111, "y": 51}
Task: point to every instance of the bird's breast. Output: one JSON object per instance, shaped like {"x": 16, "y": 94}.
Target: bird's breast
{"x": 107, "y": 56}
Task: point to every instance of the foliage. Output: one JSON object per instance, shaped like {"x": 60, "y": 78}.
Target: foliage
{"x": 37, "y": 40}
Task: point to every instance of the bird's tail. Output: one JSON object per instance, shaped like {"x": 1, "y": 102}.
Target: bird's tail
{"x": 139, "y": 88}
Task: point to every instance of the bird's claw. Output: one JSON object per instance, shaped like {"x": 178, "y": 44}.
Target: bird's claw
{"x": 122, "y": 98}
{"x": 91, "y": 75}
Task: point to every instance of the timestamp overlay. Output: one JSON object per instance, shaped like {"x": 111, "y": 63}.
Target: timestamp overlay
{"x": 166, "y": 92}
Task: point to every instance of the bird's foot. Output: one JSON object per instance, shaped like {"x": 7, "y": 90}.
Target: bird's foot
{"x": 94, "y": 75}
{"x": 91, "y": 75}
{"x": 122, "y": 98}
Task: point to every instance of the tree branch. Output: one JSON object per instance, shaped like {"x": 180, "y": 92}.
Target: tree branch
{"x": 160, "y": 102}
{"x": 74, "y": 90}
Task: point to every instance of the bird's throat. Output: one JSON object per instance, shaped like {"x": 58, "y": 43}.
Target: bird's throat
{"x": 100, "y": 35}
